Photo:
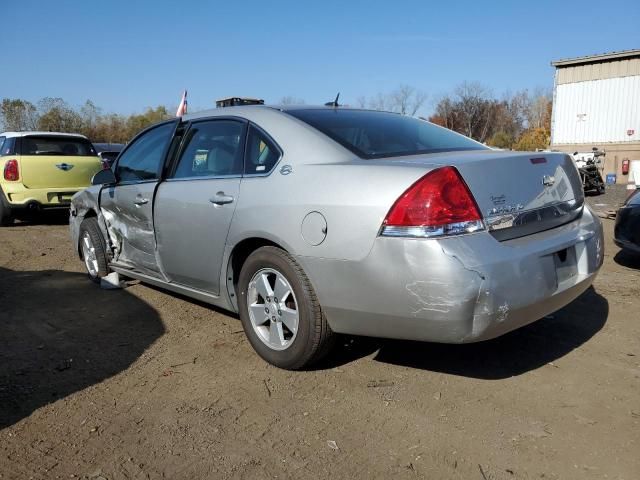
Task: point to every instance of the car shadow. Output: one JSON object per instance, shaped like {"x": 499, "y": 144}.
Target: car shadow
{"x": 52, "y": 217}
{"x": 515, "y": 353}
{"x": 627, "y": 259}
{"x": 60, "y": 333}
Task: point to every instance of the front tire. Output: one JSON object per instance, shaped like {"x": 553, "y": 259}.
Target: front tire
{"x": 280, "y": 312}
{"x": 93, "y": 249}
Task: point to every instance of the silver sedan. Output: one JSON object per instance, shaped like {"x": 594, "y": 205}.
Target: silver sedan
{"x": 321, "y": 220}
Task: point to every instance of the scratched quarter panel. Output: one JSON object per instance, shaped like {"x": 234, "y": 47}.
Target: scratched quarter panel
{"x": 457, "y": 290}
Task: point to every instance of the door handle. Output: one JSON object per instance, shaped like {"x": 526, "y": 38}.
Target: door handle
{"x": 221, "y": 199}
{"x": 140, "y": 201}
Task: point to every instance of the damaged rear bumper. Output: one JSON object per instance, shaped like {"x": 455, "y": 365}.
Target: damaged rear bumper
{"x": 461, "y": 289}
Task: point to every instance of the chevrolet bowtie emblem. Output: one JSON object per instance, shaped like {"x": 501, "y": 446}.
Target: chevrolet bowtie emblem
{"x": 64, "y": 166}
{"x": 548, "y": 180}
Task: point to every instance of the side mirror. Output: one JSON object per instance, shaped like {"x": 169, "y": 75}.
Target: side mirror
{"x": 104, "y": 177}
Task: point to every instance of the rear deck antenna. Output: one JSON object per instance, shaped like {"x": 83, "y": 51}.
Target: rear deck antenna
{"x": 334, "y": 103}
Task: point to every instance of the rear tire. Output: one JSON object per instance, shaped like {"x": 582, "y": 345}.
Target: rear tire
{"x": 289, "y": 332}
{"x": 93, "y": 249}
{"x": 6, "y": 218}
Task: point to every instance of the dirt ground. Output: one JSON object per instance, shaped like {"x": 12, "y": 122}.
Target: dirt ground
{"x": 139, "y": 383}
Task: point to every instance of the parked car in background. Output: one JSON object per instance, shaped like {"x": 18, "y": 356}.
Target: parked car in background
{"x": 627, "y": 229}
{"x": 42, "y": 170}
{"x": 108, "y": 152}
{"x": 314, "y": 220}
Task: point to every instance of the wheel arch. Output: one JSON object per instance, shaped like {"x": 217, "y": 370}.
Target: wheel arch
{"x": 89, "y": 213}
{"x": 238, "y": 257}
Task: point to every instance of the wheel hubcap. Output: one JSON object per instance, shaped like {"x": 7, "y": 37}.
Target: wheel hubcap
{"x": 89, "y": 255}
{"x": 273, "y": 309}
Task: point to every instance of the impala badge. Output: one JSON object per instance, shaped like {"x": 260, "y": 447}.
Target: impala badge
{"x": 64, "y": 166}
{"x": 548, "y": 180}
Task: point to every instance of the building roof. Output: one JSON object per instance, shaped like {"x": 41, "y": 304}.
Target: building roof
{"x": 601, "y": 57}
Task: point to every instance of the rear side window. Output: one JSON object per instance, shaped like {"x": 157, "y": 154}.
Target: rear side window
{"x": 372, "y": 134}
{"x": 7, "y": 146}
{"x": 212, "y": 149}
{"x": 141, "y": 160}
{"x": 262, "y": 153}
{"x": 52, "y": 145}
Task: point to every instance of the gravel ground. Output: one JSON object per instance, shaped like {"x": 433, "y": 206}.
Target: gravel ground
{"x": 612, "y": 199}
{"x": 143, "y": 384}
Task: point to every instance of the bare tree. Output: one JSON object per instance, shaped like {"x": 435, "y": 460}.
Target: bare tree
{"x": 539, "y": 109}
{"x": 290, "y": 100}
{"x": 361, "y": 101}
{"x": 476, "y": 110}
{"x": 379, "y": 102}
{"x": 407, "y": 100}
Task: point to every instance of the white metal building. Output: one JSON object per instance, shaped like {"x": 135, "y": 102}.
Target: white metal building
{"x": 596, "y": 103}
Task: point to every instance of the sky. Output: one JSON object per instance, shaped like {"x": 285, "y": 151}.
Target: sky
{"x": 129, "y": 55}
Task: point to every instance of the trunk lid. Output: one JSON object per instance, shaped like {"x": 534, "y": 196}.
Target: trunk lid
{"x": 49, "y": 161}
{"x": 522, "y": 193}
{"x": 517, "y": 193}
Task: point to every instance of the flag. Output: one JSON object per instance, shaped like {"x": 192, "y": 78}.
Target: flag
{"x": 182, "y": 108}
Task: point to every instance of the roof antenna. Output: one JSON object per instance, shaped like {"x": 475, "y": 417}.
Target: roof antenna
{"x": 334, "y": 103}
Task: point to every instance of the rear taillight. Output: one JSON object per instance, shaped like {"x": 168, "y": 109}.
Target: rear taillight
{"x": 438, "y": 204}
{"x": 11, "y": 171}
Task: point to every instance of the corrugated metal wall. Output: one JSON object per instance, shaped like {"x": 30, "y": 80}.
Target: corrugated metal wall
{"x": 598, "y": 71}
{"x": 597, "y": 111}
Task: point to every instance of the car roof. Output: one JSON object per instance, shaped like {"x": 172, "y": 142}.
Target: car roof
{"x": 108, "y": 147}
{"x": 26, "y": 134}
{"x": 240, "y": 109}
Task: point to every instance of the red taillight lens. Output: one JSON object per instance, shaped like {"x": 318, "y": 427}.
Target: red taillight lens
{"x": 440, "y": 203}
{"x": 11, "y": 172}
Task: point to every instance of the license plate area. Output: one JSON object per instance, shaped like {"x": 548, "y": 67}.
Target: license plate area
{"x": 566, "y": 264}
{"x": 60, "y": 197}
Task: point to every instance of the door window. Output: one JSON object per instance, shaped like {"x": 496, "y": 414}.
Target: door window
{"x": 141, "y": 160}
{"x": 262, "y": 154}
{"x": 8, "y": 146}
{"x": 212, "y": 149}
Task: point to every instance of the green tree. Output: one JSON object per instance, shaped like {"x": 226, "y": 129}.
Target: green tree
{"x": 135, "y": 123}
{"x": 57, "y": 116}
{"x": 501, "y": 139}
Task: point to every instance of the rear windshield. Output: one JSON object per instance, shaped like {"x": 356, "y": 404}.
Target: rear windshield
{"x": 51, "y": 145}
{"x": 372, "y": 134}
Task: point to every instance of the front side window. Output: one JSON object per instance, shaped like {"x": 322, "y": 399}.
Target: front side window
{"x": 262, "y": 154}
{"x": 141, "y": 160}
{"x": 52, "y": 145}
{"x": 371, "y": 134}
{"x": 212, "y": 148}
